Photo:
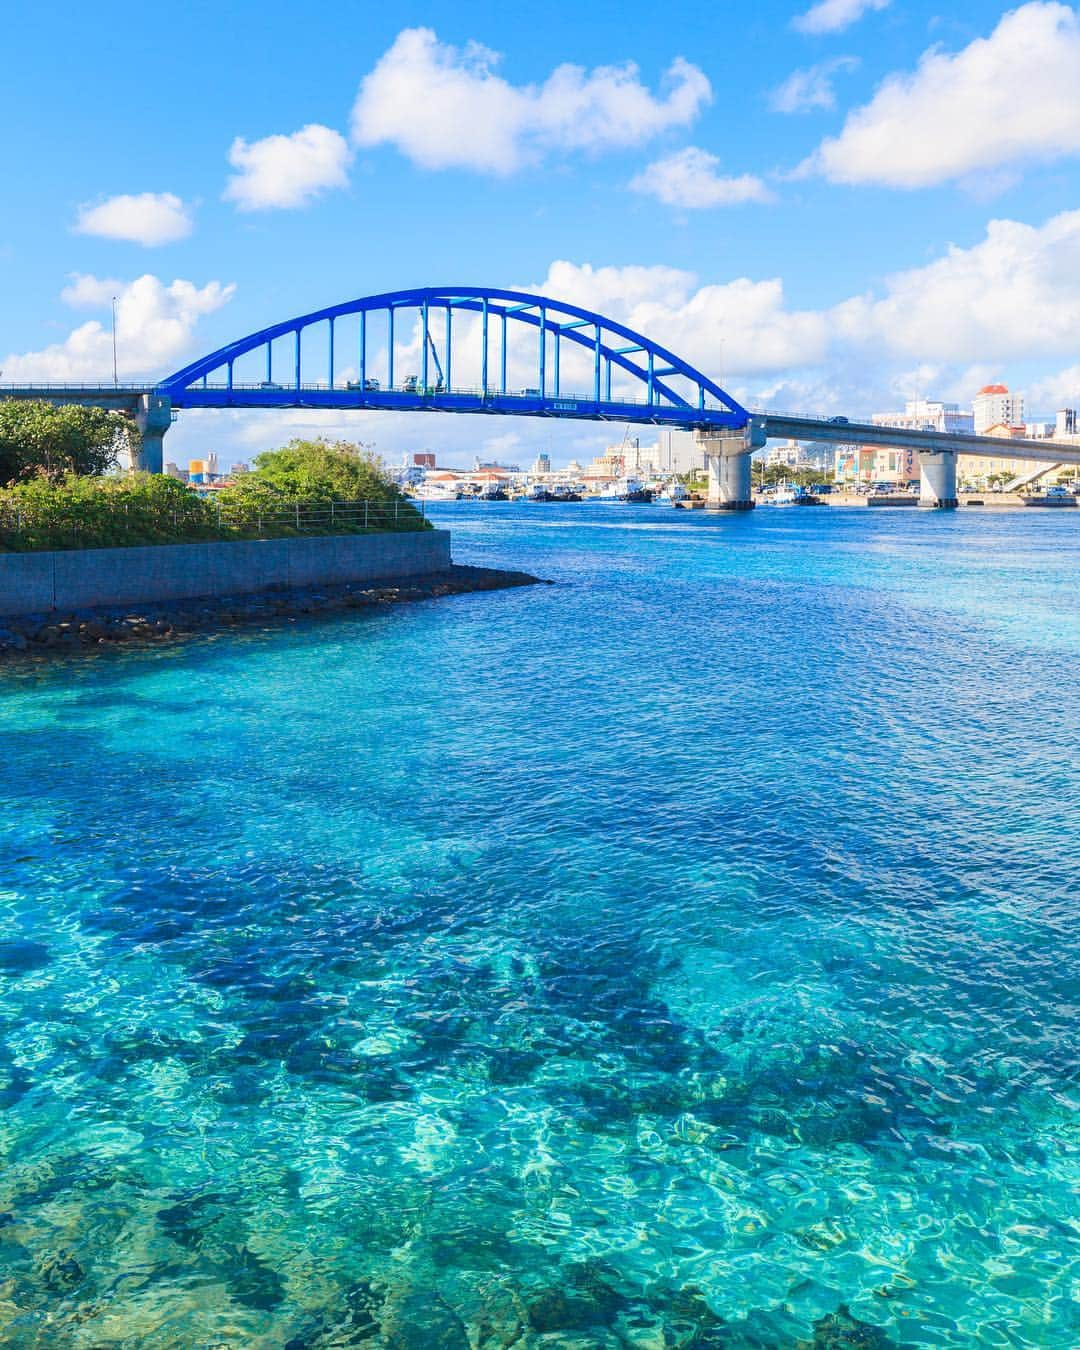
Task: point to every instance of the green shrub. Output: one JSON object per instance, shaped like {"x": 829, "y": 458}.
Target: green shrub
{"x": 326, "y": 472}
{"x": 83, "y": 512}
{"x": 309, "y": 487}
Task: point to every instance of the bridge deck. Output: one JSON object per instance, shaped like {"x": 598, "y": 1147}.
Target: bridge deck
{"x": 528, "y": 403}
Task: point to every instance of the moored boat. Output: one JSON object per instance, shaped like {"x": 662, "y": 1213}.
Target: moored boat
{"x": 631, "y": 490}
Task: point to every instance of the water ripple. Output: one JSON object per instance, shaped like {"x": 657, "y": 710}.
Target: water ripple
{"x": 683, "y": 955}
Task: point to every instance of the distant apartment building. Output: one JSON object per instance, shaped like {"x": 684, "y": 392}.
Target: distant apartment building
{"x": 611, "y": 464}
{"x": 541, "y": 464}
{"x": 927, "y": 414}
{"x": 788, "y": 454}
{"x": 995, "y": 406}
{"x": 674, "y": 452}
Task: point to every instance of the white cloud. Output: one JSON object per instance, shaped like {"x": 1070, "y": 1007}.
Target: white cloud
{"x": 689, "y": 179}
{"x": 739, "y": 326}
{"x": 155, "y": 322}
{"x": 1059, "y": 390}
{"x": 445, "y": 107}
{"x": 90, "y": 292}
{"x": 1015, "y": 294}
{"x": 1011, "y": 97}
{"x": 147, "y": 218}
{"x": 804, "y": 90}
{"x": 1012, "y": 297}
{"x": 832, "y": 16}
{"x": 287, "y": 171}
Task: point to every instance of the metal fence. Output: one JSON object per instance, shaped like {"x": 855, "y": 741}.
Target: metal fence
{"x": 318, "y": 517}
{"x": 103, "y": 521}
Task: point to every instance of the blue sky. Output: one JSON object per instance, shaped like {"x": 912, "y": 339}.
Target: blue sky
{"x": 828, "y": 207}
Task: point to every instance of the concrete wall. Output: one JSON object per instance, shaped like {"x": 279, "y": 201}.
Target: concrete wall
{"x": 32, "y": 583}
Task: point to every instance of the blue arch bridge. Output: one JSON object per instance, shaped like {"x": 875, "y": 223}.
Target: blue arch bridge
{"x": 469, "y": 349}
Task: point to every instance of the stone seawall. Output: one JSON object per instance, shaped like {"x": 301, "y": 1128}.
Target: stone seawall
{"x": 40, "y": 583}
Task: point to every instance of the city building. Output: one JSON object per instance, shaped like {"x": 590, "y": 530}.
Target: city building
{"x": 994, "y": 406}
{"x": 788, "y": 454}
{"x": 541, "y": 464}
{"x": 673, "y": 453}
{"x": 205, "y": 470}
{"x": 865, "y": 464}
{"x": 494, "y": 465}
{"x": 927, "y": 414}
{"x": 982, "y": 471}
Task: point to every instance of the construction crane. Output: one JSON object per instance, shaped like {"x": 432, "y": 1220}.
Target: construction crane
{"x": 412, "y": 383}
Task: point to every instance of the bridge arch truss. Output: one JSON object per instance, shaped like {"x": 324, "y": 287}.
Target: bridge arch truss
{"x": 459, "y": 349}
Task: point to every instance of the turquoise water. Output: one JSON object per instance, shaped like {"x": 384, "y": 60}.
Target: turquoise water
{"x": 681, "y": 955}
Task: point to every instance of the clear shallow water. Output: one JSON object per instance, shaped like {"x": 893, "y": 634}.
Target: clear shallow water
{"x": 674, "y": 956}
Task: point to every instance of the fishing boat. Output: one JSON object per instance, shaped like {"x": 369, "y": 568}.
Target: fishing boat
{"x": 631, "y": 490}
{"x": 779, "y": 496}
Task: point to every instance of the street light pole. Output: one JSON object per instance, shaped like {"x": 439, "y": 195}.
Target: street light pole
{"x": 115, "y": 381}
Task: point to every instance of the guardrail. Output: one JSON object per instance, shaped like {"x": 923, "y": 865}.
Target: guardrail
{"x": 377, "y": 389}
{"x": 78, "y": 387}
{"x": 27, "y": 526}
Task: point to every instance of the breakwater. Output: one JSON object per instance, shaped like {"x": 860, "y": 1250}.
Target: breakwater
{"x": 32, "y": 583}
{"x": 58, "y": 633}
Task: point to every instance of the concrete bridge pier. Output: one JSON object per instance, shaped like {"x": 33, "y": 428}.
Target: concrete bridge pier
{"x": 937, "y": 481}
{"x": 727, "y": 461}
{"x": 153, "y": 417}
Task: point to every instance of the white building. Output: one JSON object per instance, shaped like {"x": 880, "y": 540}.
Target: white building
{"x": 1066, "y": 424}
{"x": 541, "y": 464}
{"x": 674, "y": 452}
{"x": 927, "y": 414}
{"x": 789, "y": 454}
{"x": 994, "y": 406}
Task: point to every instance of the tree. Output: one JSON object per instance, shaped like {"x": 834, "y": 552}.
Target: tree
{"x": 319, "y": 470}
{"x": 805, "y": 476}
{"x": 37, "y": 439}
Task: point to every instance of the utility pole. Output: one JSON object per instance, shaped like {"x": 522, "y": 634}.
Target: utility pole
{"x": 115, "y": 381}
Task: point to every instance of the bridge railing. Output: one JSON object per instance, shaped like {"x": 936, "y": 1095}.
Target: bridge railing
{"x": 31, "y": 526}
{"x": 374, "y": 390}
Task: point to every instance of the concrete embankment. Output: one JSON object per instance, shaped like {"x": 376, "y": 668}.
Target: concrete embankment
{"x": 38, "y": 583}
{"x": 58, "y": 633}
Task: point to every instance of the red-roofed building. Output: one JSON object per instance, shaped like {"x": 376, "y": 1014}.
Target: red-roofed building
{"x": 995, "y": 406}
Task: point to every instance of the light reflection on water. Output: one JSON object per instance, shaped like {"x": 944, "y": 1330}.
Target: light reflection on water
{"x": 680, "y": 955}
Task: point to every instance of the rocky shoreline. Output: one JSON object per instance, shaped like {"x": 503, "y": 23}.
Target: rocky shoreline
{"x": 24, "y": 635}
